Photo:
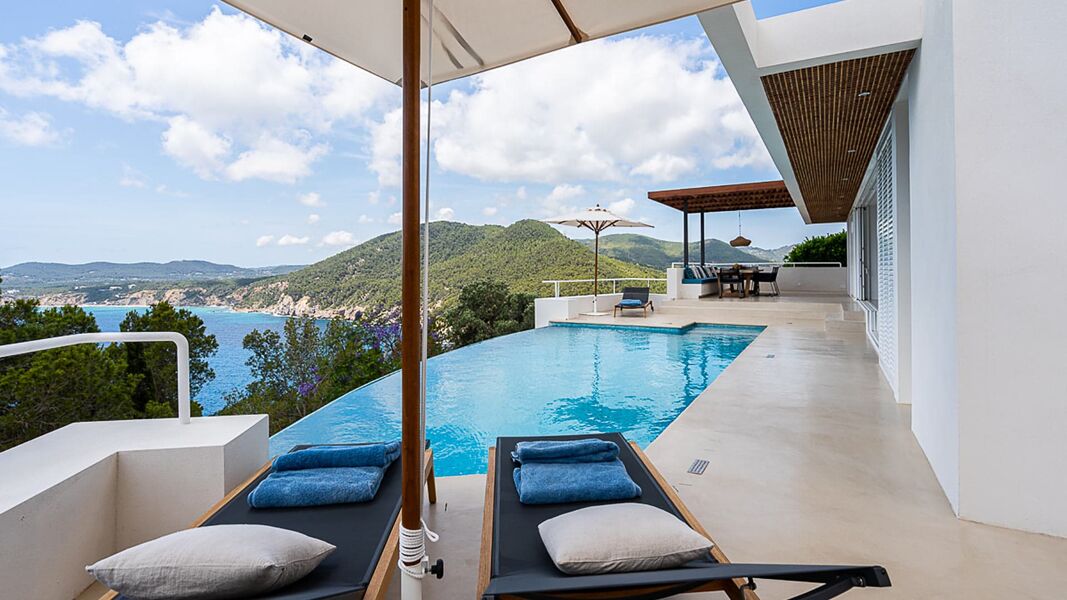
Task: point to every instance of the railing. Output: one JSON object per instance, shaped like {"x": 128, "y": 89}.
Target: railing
{"x": 102, "y": 338}
{"x": 614, "y": 282}
{"x": 764, "y": 264}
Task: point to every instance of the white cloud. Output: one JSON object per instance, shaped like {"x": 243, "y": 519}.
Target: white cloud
{"x": 557, "y": 202}
{"x": 292, "y": 240}
{"x": 264, "y": 240}
{"x": 251, "y": 91}
{"x": 622, "y": 207}
{"x": 132, "y": 178}
{"x": 364, "y": 219}
{"x": 593, "y": 123}
{"x": 339, "y": 238}
{"x": 272, "y": 159}
{"x": 31, "y": 129}
{"x": 665, "y": 167}
{"x": 386, "y": 149}
{"x": 445, "y": 214}
{"x": 373, "y": 197}
{"x": 195, "y": 147}
{"x": 311, "y": 199}
{"x": 490, "y": 211}
{"x": 313, "y": 218}
{"x": 394, "y": 219}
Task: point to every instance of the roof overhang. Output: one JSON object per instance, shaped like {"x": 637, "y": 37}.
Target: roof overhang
{"x": 722, "y": 198}
{"x": 802, "y": 77}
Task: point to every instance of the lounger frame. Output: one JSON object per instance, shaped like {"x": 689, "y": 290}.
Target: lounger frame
{"x": 735, "y": 589}
{"x": 380, "y": 578}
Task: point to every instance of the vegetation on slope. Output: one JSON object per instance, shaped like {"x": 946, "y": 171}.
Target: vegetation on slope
{"x": 368, "y": 275}
{"x": 659, "y": 254}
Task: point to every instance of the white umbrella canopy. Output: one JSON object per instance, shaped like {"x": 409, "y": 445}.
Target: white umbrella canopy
{"x": 469, "y": 36}
{"x": 595, "y": 219}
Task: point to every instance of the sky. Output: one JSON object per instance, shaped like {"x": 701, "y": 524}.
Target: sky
{"x": 166, "y": 130}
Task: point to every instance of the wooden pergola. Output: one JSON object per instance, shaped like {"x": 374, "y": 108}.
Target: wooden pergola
{"x": 721, "y": 198}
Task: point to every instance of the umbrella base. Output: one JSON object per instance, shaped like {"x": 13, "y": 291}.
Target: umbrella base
{"x": 595, "y": 314}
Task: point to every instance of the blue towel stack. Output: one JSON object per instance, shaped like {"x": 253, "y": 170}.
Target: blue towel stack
{"x": 631, "y": 302}
{"x": 554, "y": 472}
{"x": 323, "y": 475}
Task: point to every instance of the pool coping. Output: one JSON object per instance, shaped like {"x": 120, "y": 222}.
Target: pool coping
{"x": 658, "y": 328}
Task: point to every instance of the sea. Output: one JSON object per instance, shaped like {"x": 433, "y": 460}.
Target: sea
{"x": 229, "y": 328}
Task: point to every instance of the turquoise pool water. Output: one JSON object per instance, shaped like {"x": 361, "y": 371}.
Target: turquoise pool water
{"x": 554, "y": 380}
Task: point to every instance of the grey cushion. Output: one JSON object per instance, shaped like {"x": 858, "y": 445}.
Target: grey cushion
{"x": 618, "y": 538}
{"x": 219, "y": 561}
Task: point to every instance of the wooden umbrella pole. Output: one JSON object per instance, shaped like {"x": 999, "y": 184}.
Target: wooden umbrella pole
{"x": 412, "y": 446}
{"x": 596, "y": 266}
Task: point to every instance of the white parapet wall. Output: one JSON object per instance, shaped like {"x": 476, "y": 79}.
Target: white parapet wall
{"x": 547, "y": 310}
{"x": 88, "y": 490}
{"x": 819, "y": 280}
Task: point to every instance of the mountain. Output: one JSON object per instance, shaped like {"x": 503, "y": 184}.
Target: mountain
{"x": 770, "y": 254}
{"x": 37, "y": 275}
{"x": 368, "y": 275}
{"x": 659, "y": 254}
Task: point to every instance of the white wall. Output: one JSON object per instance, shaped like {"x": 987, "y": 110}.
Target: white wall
{"x": 934, "y": 385}
{"x": 818, "y": 280}
{"x": 902, "y": 186}
{"x": 88, "y": 490}
{"x": 1011, "y": 148}
{"x": 547, "y": 310}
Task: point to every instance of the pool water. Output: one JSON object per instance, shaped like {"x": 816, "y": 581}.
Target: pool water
{"x": 553, "y": 380}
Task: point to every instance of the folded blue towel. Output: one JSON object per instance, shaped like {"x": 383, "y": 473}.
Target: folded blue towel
{"x": 316, "y": 487}
{"x": 317, "y": 457}
{"x": 565, "y": 451}
{"x": 555, "y": 483}
{"x": 631, "y": 302}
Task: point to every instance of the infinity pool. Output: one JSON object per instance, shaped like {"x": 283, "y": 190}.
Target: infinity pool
{"x": 554, "y": 380}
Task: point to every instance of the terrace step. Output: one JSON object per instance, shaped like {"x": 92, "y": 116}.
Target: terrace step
{"x": 845, "y": 326}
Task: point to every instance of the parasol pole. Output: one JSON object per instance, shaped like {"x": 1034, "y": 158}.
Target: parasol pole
{"x": 412, "y": 538}
{"x": 596, "y": 265}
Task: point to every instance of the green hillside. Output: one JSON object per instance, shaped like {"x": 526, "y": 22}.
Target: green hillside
{"x": 659, "y": 254}
{"x": 521, "y": 255}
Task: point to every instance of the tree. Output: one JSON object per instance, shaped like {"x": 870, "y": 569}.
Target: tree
{"x": 821, "y": 248}
{"x": 487, "y": 309}
{"x": 157, "y": 363}
{"x": 46, "y": 390}
{"x": 305, "y": 367}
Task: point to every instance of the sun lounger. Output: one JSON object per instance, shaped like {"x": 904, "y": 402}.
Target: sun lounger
{"x": 515, "y": 564}
{"x": 366, "y": 536}
{"x": 634, "y": 297}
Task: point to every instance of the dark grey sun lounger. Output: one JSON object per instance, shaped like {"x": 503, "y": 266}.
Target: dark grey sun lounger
{"x": 634, "y": 293}
{"x": 365, "y": 534}
{"x": 515, "y": 565}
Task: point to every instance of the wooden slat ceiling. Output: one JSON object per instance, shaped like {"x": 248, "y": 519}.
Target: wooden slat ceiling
{"x": 721, "y": 198}
{"x": 830, "y": 117}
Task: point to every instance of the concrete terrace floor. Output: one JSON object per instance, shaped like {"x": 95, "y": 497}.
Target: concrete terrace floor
{"x": 811, "y": 461}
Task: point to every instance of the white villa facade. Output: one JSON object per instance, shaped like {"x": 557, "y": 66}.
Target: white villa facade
{"x": 957, "y": 227}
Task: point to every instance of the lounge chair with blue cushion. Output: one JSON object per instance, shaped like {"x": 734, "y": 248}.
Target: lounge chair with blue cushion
{"x": 634, "y": 297}
{"x": 366, "y": 536}
{"x": 515, "y": 564}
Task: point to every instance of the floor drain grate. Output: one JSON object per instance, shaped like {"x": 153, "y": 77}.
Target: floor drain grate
{"x": 770, "y": 356}
{"x": 698, "y": 466}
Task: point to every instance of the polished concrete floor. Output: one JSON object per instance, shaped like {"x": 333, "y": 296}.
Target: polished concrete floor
{"x": 811, "y": 461}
